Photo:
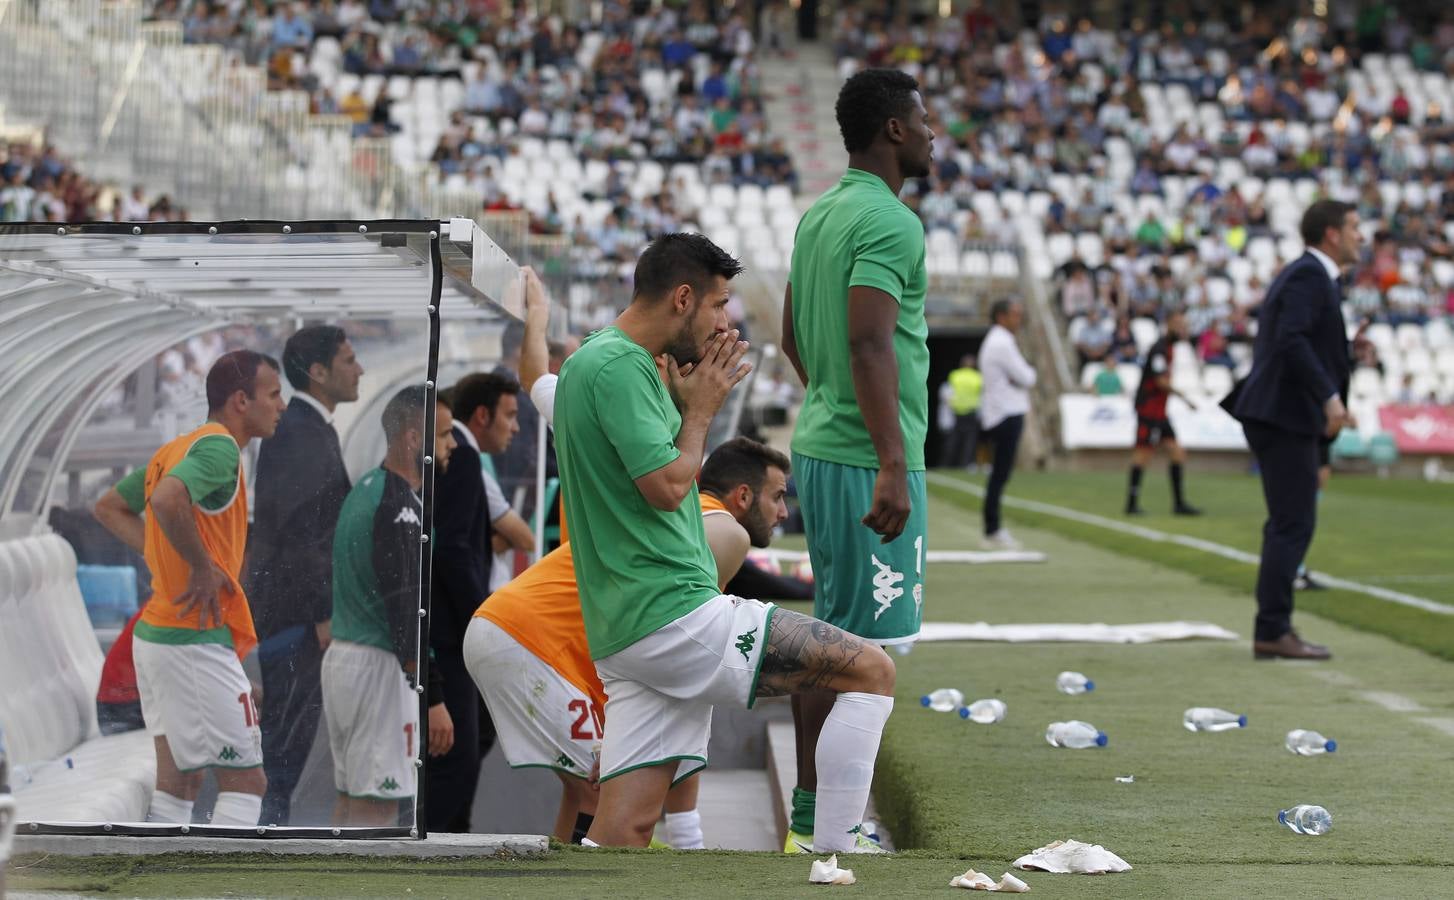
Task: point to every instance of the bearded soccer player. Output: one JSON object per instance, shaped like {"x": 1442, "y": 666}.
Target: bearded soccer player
{"x": 528, "y": 653}
{"x": 368, "y": 670}
{"x": 1153, "y": 427}
{"x": 666, "y": 642}
{"x": 854, "y": 329}
{"x": 197, "y": 702}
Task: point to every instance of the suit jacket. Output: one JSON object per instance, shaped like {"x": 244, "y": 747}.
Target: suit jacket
{"x": 1300, "y": 358}
{"x": 462, "y": 551}
{"x": 301, "y": 485}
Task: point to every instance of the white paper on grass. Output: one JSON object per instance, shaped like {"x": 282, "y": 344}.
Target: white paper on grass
{"x": 826, "y": 871}
{"x": 1072, "y": 857}
{"x": 1087, "y": 633}
{"x": 979, "y": 881}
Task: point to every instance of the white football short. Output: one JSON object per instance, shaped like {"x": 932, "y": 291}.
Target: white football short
{"x": 373, "y": 722}
{"x": 198, "y": 697}
{"x": 542, "y": 720}
{"x": 661, "y": 689}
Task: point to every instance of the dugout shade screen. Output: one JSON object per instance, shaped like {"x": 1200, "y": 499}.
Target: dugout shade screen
{"x": 310, "y": 487}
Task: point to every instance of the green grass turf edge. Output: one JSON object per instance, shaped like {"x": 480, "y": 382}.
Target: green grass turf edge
{"x": 1431, "y": 632}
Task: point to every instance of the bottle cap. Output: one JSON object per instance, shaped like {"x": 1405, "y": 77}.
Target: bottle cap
{"x": 1241, "y": 721}
{"x": 1331, "y": 746}
{"x": 964, "y": 712}
{"x": 1101, "y": 739}
{"x": 1282, "y": 816}
{"x": 1090, "y": 685}
{"x": 924, "y": 700}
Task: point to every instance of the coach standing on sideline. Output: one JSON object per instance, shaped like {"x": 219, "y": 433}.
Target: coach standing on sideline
{"x": 301, "y": 486}
{"x": 1292, "y": 400}
{"x": 1007, "y": 382}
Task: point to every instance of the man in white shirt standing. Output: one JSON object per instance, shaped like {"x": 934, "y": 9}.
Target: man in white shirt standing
{"x": 1007, "y": 382}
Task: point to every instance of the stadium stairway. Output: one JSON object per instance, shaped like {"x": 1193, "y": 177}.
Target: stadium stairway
{"x": 801, "y": 93}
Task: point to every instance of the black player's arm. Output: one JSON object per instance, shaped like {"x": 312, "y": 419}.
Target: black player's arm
{"x": 757, "y": 584}
{"x": 790, "y": 340}
{"x": 872, "y": 316}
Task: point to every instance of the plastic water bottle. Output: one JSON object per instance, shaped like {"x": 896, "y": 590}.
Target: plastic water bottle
{"x": 1206, "y": 718}
{"x": 1074, "y": 734}
{"x": 984, "y": 712}
{"x": 1308, "y": 743}
{"x": 943, "y": 700}
{"x": 1074, "y": 683}
{"x": 1306, "y": 819}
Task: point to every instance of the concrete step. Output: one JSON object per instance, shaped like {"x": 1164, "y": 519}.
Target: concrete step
{"x": 782, "y": 769}
{"x": 737, "y": 810}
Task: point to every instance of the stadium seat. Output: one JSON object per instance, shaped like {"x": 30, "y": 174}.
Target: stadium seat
{"x": 778, "y": 197}
{"x": 1145, "y": 331}
{"x": 1366, "y": 384}
{"x": 1348, "y": 445}
{"x": 1382, "y": 451}
{"x": 1216, "y": 381}
{"x": 50, "y": 664}
{"x": 1130, "y": 375}
{"x": 1418, "y": 360}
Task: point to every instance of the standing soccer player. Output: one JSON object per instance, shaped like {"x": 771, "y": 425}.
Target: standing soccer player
{"x": 197, "y": 627}
{"x": 854, "y": 329}
{"x": 667, "y": 644}
{"x": 1153, "y": 427}
{"x": 368, "y": 698}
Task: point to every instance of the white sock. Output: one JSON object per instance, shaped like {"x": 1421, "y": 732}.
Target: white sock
{"x": 170, "y": 809}
{"x": 587, "y": 842}
{"x": 684, "y": 830}
{"x": 847, "y": 748}
{"x": 237, "y": 809}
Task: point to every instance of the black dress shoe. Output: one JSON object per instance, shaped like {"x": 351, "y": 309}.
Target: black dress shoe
{"x": 1305, "y": 582}
{"x": 1134, "y": 509}
{"x": 1289, "y": 646}
{"x": 1186, "y": 509}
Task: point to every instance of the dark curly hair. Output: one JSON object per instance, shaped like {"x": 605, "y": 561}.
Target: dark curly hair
{"x": 868, "y": 100}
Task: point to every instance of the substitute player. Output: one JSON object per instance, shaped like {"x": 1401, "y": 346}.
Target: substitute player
{"x": 527, "y": 647}
{"x": 369, "y": 701}
{"x": 197, "y": 702}
{"x": 854, "y": 329}
{"x": 1153, "y": 428}
{"x": 666, "y": 643}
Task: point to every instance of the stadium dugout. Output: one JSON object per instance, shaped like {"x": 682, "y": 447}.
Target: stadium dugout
{"x": 84, "y": 310}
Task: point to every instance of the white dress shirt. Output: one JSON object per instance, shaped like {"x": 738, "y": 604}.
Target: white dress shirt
{"x": 1333, "y": 271}
{"x": 1007, "y": 378}
{"x": 316, "y": 404}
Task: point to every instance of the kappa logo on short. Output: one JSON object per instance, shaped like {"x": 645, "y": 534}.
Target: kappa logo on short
{"x": 388, "y": 784}
{"x": 408, "y": 516}
{"x": 885, "y": 587}
{"x": 745, "y": 642}
{"x": 565, "y": 762}
{"x": 919, "y": 596}
{"x": 228, "y": 754}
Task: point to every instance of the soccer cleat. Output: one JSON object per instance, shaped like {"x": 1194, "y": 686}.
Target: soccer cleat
{"x": 798, "y": 843}
{"x": 659, "y": 844}
{"x": 1000, "y": 540}
{"x": 1134, "y": 509}
{"x": 1186, "y": 509}
{"x": 863, "y": 843}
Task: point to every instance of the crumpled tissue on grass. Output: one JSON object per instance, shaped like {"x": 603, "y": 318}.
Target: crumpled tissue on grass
{"x": 1073, "y": 857}
{"x": 826, "y": 871}
{"x": 979, "y": 881}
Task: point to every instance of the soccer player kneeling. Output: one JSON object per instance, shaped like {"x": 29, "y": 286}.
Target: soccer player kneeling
{"x": 527, "y": 649}
{"x": 369, "y": 702}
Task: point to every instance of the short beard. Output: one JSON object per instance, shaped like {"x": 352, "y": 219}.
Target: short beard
{"x": 683, "y": 347}
{"x": 759, "y": 531}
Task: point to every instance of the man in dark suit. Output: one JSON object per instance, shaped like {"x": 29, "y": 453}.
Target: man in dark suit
{"x": 1292, "y": 401}
{"x": 301, "y": 486}
{"x": 485, "y": 407}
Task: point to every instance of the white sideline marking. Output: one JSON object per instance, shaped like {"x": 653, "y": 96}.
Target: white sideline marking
{"x": 1444, "y": 725}
{"x": 1392, "y": 702}
{"x": 1222, "y": 550}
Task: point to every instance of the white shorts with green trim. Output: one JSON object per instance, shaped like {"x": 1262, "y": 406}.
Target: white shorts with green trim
{"x": 661, "y": 689}
{"x": 542, "y": 720}
{"x": 199, "y": 699}
{"x": 373, "y": 722}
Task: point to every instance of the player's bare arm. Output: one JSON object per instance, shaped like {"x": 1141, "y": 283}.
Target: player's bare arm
{"x": 872, "y": 315}
{"x": 116, "y": 517}
{"x": 729, "y": 543}
{"x": 534, "y": 351}
{"x": 790, "y": 340}
{"x": 702, "y": 391}
{"x": 172, "y": 505}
